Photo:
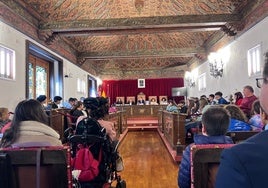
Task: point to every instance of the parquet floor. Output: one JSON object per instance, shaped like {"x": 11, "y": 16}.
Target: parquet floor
{"x": 147, "y": 161}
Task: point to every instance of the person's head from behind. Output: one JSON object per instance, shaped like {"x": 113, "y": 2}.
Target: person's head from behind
{"x": 26, "y": 110}
{"x": 264, "y": 87}
{"x": 236, "y": 112}
{"x": 42, "y": 99}
{"x": 215, "y": 121}
{"x": 256, "y": 106}
{"x": 97, "y": 107}
{"x": 72, "y": 101}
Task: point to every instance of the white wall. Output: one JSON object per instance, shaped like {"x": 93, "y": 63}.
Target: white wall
{"x": 235, "y": 72}
{"x": 11, "y": 92}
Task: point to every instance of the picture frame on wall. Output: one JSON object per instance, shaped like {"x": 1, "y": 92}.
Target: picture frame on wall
{"x": 141, "y": 83}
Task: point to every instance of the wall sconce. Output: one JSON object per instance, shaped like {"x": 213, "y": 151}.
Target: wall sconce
{"x": 215, "y": 65}
{"x": 189, "y": 79}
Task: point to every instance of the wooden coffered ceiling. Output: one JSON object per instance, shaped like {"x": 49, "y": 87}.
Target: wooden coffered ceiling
{"x": 129, "y": 39}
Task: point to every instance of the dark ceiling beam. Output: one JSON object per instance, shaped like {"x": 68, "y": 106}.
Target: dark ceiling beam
{"x": 133, "y": 31}
{"x": 141, "y": 22}
{"x": 178, "y": 52}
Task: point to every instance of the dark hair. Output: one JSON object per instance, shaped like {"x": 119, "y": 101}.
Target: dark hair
{"x": 236, "y": 112}
{"x": 41, "y": 98}
{"x": 212, "y": 95}
{"x": 238, "y": 95}
{"x": 26, "y": 110}
{"x": 57, "y": 98}
{"x": 256, "y": 106}
{"x": 71, "y": 99}
{"x": 98, "y": 107}
{"x": 216, "y": 121}
{"x": 218, "y": 93}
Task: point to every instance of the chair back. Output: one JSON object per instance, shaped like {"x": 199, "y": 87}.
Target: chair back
{"x": 239, "y": 136}
{"x": 40, "y": 167}
{"x": 205, "y": 160}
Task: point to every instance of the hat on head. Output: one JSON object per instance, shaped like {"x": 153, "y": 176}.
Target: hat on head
{"x": 41, "y": 98}
{"x": 91, "y": 103}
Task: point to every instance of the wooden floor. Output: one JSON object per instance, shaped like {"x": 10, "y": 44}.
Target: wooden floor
{"x": 147, "y": 161}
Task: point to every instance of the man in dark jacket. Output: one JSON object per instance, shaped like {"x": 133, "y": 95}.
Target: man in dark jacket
{"x": 215, "y": 123}
{"x": 245, "y": 165}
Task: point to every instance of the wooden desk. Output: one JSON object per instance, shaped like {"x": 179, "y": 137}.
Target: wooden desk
{"x": 141, "y": 110}
{"x": 173, "y": 127}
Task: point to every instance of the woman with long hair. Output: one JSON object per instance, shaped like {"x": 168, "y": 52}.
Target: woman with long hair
{"x": 238, "y": 96}
{"x": 30, "y": 126}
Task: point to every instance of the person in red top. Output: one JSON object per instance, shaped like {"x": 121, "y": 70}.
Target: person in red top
{"x": 238, "y": 98}
{"x": 247, "y": 101}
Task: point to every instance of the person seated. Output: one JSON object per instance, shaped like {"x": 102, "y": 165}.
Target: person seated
{"x": 215, "y": 122}
{"x": 219, "y": 98}
{"x": 130, "y": 102}
{"x": 70, "y": 104}
{"x": 4, "y": 118}
{"x": 238, "y": 97}
{"x": 119, "y": 101}
{"x": 78, "y": 111}
{"x": 42, "y": 99}
{"x": 172, "y": 106}
{"x": 255, "y": 121}
{"x": 55, "y": 104}
{"x": 164, "y": 101}
{"x": 141, "y": 101}
{"x": 30, "y": 125}
{"x": 182, "y": 107}
{"x": 247, "y": 101}
{"x": 238, "y": 119}
{"x": 153, "y": 101}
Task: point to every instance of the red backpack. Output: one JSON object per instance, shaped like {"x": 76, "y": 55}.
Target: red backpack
{"x": 85, "y": 162}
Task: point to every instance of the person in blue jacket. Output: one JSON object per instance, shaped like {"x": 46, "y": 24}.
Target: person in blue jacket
{"x": 220, "y": 99}
{"x": 245, "y": 165}
{"x": 215, "y": 122}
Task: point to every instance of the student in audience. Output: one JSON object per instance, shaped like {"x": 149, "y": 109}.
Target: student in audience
{"x": 30, "y": 125}
{"x": 238, "y": 119}
{"x": 219, "y": 98}
{"x": 245, "y": 164}
{"x": 182, "y": 107}
{"x": 211, "y": 99}
{"x": 238, "y": 96}
{"x": 42, "y": 99}
{"x": 215, "y": 122}
{"x": 247, "y": 101}
{"x": 98, "y": 108}
{"x": 70, "y": 104}
{"x": 172, "y": 106}
{"x": 4, "y": 117}
{"x": 78, "y": 110}
{"x": 255, "y": 121}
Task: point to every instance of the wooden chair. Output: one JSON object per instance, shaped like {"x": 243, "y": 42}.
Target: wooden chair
{"x": 122, "y": 100}
{"x": 131, "y": 98}
{"x": 35, "y": 167}
{"x": 205, "y": 160}
{"x": 239, "y": 136}
{"x": 163, "y": 100}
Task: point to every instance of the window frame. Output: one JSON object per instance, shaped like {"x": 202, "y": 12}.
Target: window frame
{"x": 7, "y": 63}
{"x": 202, "y": 83}
{"x": 254, "y": 60}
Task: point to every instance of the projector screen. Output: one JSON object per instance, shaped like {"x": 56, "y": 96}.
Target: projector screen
{"x": 179, "y": 91}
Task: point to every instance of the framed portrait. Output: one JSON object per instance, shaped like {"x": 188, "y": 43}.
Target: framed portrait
{"x": 141, "y": 83}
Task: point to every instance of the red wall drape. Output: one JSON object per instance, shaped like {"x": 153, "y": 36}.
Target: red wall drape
{"x": 153, "y": 87}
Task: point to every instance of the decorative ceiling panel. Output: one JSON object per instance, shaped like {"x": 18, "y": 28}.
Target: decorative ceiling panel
{"x": 126, "y": 39}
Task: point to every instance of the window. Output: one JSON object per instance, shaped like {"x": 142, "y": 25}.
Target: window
{"x": 202, "y": 85}
{"x": 254, "y": 60}
{"x": 7, "y": 63}
{"x": 81, "y": 86}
